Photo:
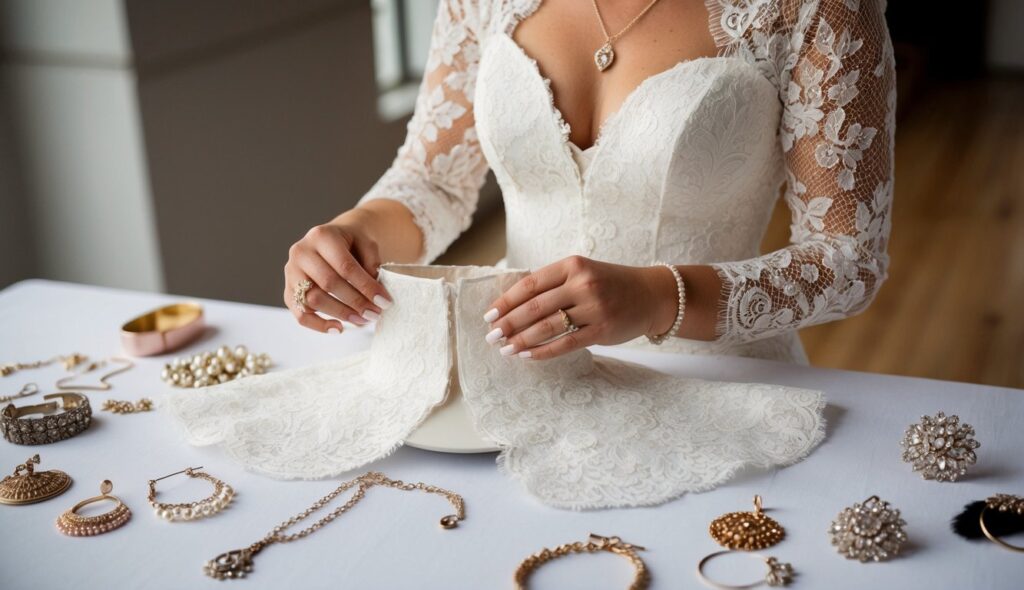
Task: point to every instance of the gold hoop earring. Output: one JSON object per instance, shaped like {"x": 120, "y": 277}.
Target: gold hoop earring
{"x": 75, "y": 525}
{"x": 208, "y": 506}
{"x": 747, "y": 530}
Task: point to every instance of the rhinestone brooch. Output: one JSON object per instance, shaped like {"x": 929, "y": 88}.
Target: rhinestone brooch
{"x": 868, "y": 531}
{"x": 940, "y": 447}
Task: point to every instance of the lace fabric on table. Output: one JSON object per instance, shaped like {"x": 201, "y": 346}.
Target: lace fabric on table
{"x": 580, "y": 431}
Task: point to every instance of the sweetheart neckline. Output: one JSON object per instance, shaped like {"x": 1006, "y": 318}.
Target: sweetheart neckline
{"x": 623, "y": 106}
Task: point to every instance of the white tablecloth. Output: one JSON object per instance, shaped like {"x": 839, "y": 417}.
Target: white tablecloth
{"x": 392, "y": 539}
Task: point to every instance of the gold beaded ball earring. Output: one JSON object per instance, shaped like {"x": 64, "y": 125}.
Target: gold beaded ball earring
{"x": 747, "y": 530}
{"x": 73, "y": 524}
{"x": 208, "y": 506}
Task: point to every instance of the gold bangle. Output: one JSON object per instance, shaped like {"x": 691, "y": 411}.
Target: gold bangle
{"x": 163, "y": 330}
{"x": 72, "y": 524}
{"x": 779, "y": 573}
{"x": 595, "y": 543}
{"x": 1001, "y": 503}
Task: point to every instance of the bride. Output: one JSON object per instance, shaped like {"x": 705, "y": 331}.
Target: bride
{"x": 623, "y": 134}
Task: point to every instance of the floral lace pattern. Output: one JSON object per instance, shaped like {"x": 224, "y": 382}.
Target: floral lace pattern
{"x": 802, "y": 94}
{"x": 580, "y": 431}
{"x": 584, "y": 431}
{"x": 325, "y": 419}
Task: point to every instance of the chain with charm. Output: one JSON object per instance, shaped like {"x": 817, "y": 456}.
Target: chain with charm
{"x": 237, "y": 563}
{"x": 605, "y": 55}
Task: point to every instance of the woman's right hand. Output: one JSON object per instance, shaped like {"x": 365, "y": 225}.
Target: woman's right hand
{"x": 341, "y": 260}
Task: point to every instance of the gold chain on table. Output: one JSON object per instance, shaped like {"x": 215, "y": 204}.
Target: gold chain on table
{"x": 611, "y": 38}
{"x": 235, "y": 564}
{"x": 70, "y": 361}
{"x": 596, "y": 543}
{"x": 364, "y": 482}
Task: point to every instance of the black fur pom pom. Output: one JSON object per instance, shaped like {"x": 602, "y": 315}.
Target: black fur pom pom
{"x": 998, "y": 523}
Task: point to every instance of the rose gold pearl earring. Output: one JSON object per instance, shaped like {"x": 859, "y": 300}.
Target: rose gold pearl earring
{"x": 73, "y": 524}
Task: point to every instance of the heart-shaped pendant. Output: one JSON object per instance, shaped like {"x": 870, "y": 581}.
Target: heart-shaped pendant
{"x": 603, "y": 57}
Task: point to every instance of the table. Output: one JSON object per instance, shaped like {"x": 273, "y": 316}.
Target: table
{"x": 392, "y": 539}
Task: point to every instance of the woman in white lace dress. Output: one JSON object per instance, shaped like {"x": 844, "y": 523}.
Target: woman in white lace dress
{"x": 675, "y": 152}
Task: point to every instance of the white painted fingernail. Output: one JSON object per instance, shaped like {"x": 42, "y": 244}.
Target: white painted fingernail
{"x": 381, "y": 302}
{"x": 357, "y": 320}
{"x": 525, "y": 354}
{"x": 493, "y": 336}
{"x": 371, "y": 315}
{"x": 491, "y": 315}
{"x": 507, "y": 349}
{"x": 333, "y": 330}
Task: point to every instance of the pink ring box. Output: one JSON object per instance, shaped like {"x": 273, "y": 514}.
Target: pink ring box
{"x": 162, "y": 330}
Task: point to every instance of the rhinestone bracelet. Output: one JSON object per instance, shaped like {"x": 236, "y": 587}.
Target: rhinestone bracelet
{"x": 680, "y": 310}
{"x": 75, "y": 416}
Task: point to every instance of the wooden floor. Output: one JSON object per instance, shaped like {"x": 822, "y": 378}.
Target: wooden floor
{"x": 953, "y": 307}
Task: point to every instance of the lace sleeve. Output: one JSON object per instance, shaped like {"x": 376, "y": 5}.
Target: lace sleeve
{"x": 439, "y": 169}
{"x": 836, "y": 80}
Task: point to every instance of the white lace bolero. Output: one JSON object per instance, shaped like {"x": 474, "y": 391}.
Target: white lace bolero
{"x": 802, "y": 94}
{"x": 579, "y": 431}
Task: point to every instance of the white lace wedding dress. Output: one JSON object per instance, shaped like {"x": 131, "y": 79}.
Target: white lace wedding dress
{"x": 687, "y": 170}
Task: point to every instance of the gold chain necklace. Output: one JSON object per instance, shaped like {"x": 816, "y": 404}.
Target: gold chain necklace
{"x": 70, "y": 361}
{"x": 237, "y": 563}
{"x": 605, "y": 55}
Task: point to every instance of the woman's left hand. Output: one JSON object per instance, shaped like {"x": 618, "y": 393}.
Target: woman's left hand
{"x": 609, "y": 303}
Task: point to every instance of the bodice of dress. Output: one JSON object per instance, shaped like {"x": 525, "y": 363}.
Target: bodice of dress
{"x": 801, "y": 97}
{"x": 686, "y": 170}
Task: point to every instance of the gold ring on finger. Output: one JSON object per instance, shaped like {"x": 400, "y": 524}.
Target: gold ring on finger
{"x": 567, "y": 321}
{"x": 300, "y": 293}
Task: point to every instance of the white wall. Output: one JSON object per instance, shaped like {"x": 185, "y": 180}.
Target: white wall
{"x": 76, "y": 127}
{"x": 1006, "y": 34}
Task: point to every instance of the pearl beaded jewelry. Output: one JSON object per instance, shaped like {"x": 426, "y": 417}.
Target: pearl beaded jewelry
{"x": 213, "y": 367}
{"x": 680, "y": 308}
{"x": 212, "y": 504}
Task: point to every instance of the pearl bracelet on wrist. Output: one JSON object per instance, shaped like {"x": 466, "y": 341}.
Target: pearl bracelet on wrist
{"x": 680, "y": 309}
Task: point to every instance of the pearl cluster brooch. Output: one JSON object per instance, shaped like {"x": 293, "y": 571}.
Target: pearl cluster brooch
{"x": 211, "y": 368}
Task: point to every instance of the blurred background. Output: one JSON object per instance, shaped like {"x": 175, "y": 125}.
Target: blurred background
{"x": 183, "y": 145}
